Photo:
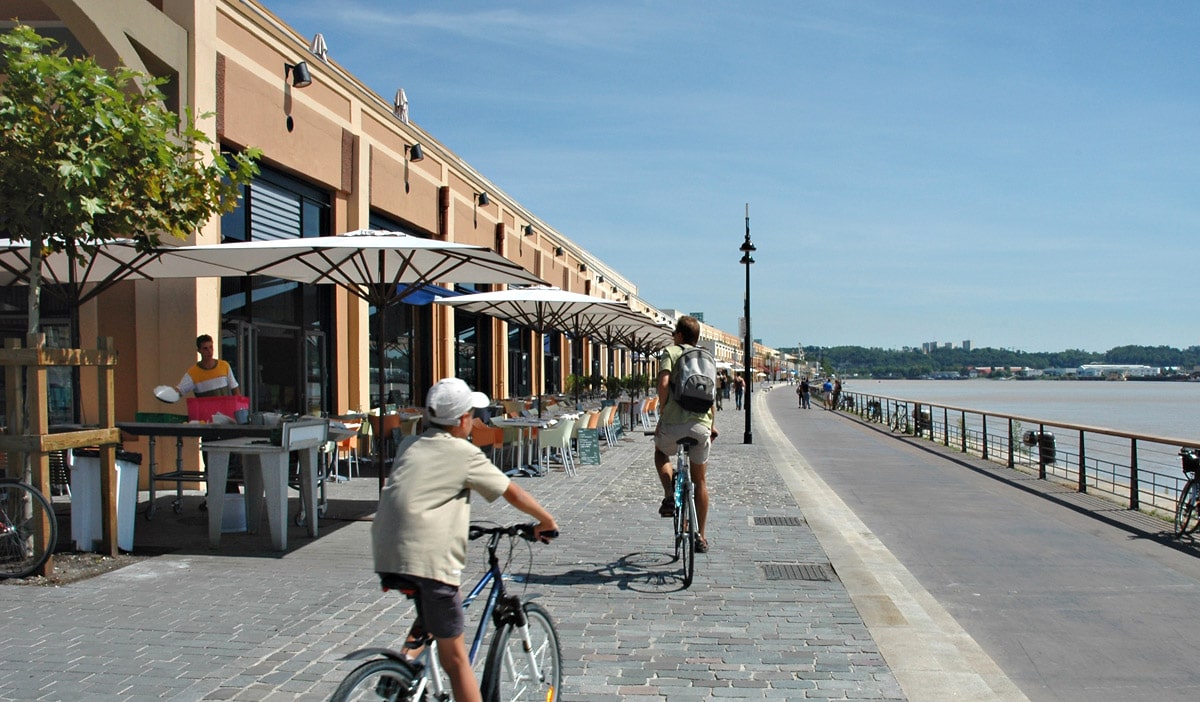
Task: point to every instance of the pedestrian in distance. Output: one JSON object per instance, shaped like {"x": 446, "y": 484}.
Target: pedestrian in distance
{"x": 739, "y": 389}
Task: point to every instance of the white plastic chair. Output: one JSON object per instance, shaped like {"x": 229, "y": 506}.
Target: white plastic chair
{"x": 557, "y": 437}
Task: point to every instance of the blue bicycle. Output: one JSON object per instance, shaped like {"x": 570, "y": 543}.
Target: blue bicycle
{"x": 524, "y": 661}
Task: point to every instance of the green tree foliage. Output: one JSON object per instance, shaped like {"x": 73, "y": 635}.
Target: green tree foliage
{"x": 89, "y": 154}
{"x": 891, "y": 363}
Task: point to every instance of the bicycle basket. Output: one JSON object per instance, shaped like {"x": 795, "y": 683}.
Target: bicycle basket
{"x": 1191, "y": 460}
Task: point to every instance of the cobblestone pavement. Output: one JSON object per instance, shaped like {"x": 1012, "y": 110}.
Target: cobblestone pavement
{"x": 241, "y": 623}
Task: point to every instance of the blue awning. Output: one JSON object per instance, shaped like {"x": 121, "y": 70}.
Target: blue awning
{"x": 425, "y": 294}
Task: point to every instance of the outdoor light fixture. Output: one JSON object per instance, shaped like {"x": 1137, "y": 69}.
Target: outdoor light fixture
{"x": 300, "y": 76}
{"x": 319, "y": 49}
{"x": 600, "y": 279}
{"x": 583, "y": 268}
{"x": 528, "y": 230}
{"x": 558, "y": 251}
{"x": 481, "y": 200}
{"x": 412, "y": 153}
{"x": 747, "y": 248}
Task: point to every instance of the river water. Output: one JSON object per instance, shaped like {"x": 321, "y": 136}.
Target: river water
{"x": 1160, "y": 408}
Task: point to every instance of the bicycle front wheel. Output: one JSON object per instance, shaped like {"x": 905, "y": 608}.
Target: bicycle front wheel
{"x": 28, "y": 529}
{"x": 1186, "y": 519}
{"x": 690, "y": 533}
{"x": 379, "y": 679}
{"x": 514, "y": 673}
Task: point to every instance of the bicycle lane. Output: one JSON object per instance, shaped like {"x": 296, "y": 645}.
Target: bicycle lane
{"x": 1073, "y": 597}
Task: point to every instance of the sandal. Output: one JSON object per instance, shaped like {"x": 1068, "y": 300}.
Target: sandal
{"x": 701, "y": 544}
{"x": 667, "y": 508}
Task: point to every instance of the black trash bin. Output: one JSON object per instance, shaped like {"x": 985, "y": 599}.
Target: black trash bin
{"x": 923, "y": 421}
{"x": 1044, "y": 440}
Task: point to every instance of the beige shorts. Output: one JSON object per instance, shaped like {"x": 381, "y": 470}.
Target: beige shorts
{"x": 667, "y": 436}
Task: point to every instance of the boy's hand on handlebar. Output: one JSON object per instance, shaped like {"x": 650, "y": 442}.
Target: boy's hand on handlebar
{"x": 545, "y": 531}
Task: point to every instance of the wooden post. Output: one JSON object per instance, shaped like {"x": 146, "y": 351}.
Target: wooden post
{"x": 39, "y": 424}
{"x": 108, "y": 453}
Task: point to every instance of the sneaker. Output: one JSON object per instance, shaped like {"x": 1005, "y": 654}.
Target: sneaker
{"x": 701, "y": 544}
{"x": 667, "y": 508}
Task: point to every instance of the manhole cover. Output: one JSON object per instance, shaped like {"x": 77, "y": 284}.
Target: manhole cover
{"x": 778, "y": 521}
{"x": 795, "y": 571}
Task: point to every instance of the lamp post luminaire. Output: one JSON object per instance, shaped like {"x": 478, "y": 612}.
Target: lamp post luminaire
{"x": 747, "y": 249}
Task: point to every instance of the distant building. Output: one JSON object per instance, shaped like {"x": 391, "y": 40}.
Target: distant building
{"x": 966, "y": 345}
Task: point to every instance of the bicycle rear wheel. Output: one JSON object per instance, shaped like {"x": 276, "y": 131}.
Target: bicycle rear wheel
{"x": 28, "y": 529}
{"x": 510, "y": 674}
{"x": 690, "y": 534}
{"x": 1186, "y": 518}
{"x": 379, "y": 679}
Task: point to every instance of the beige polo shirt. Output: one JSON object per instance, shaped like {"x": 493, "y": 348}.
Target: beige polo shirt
{"x": 424, "y": 510}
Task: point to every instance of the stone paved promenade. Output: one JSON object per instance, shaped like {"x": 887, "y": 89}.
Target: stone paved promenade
{"x": 240, "y": 622}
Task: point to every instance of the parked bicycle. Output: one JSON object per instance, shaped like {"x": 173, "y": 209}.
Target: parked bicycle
{"x": 686, "y": 524}
{"x": 28, "y": 529}
{"x": 524, "y": 660}
{"x": 1187, "y": 510}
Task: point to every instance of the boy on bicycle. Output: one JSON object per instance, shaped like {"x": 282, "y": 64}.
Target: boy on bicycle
{"x": 676, "y": 423}
{"x": 420, "y": 529}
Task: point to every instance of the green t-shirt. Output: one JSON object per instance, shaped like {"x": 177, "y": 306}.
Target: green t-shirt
{"x": 672, "y": 413}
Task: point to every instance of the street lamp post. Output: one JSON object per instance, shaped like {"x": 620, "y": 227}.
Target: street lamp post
{"x": 747, "y": 259}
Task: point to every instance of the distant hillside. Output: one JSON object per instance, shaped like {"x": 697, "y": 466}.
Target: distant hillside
{"x": 890, "y": 363}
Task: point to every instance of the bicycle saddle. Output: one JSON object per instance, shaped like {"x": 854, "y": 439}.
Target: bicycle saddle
{"x": 399, "y": 583}
{"x": 687, "y": 441}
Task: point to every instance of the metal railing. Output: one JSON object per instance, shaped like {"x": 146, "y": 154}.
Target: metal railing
{"x": 1139, "y": 471}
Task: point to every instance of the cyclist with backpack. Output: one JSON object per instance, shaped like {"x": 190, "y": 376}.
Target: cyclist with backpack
{"x": 686, "y": 383}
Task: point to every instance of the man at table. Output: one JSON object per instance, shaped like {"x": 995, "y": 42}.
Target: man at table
{"x": 210, "y": 377}
{"x": 420, "y": 528}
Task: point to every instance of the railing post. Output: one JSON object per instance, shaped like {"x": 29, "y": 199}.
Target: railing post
{"x": 1082, "y": 465}
{"x": 1012, "y": 449}
{"x": 962, "y": 425}
{"x": 946, "y": 427}
{"x": 1041, "y": 457}
{"x": 1134, "y": 497}
{"x": 985, "y": 438}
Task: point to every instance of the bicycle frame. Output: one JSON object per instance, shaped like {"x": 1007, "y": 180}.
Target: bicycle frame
{"x": 427, "y": 659}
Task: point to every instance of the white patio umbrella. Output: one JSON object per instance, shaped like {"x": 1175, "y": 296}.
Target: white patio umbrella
{"x": 380, "y": 267}
{"x": 540, "y": 308}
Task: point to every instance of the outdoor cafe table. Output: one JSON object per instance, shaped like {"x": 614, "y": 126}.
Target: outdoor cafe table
{"x": 265, "y": 470}
{"x": 525, "y": 427}
{"x": 205, "y": 432}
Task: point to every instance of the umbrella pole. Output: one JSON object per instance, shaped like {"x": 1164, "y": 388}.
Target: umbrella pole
{"x": 381, "y": 352}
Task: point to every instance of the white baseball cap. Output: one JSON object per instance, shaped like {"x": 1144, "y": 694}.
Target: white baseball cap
{"x": 449, "y": 399}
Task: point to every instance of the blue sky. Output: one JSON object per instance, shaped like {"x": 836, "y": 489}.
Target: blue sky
{"x": 1020, "y": 174}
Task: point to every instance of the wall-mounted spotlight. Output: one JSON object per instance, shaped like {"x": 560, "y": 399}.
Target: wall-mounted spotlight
{"x": 412, "y": 153}
{"x": 583, "y": 268}
{"x": 559, "y": 251}
{"x": 481, "y": 200}
{"x": 599, "y": 279}
{"x": 528, "y": 230}
{"x": 300, "y": 76}
{"x": 319, "y": 49}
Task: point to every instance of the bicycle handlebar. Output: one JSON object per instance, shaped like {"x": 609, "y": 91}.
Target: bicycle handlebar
{"x": 525, "y": 531}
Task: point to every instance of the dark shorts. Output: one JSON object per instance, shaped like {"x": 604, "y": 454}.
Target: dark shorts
{"x": 439, "y": 607}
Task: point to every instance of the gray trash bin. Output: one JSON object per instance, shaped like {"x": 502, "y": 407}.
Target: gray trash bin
{"x": 86, "y": 527}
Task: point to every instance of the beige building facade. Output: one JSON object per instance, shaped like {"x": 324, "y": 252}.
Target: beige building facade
{"x": 336, "y": 157}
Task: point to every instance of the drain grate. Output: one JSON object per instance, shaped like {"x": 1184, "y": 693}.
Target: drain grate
{"x": 795, "y": 571}
{"x": 778, "y": 521}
